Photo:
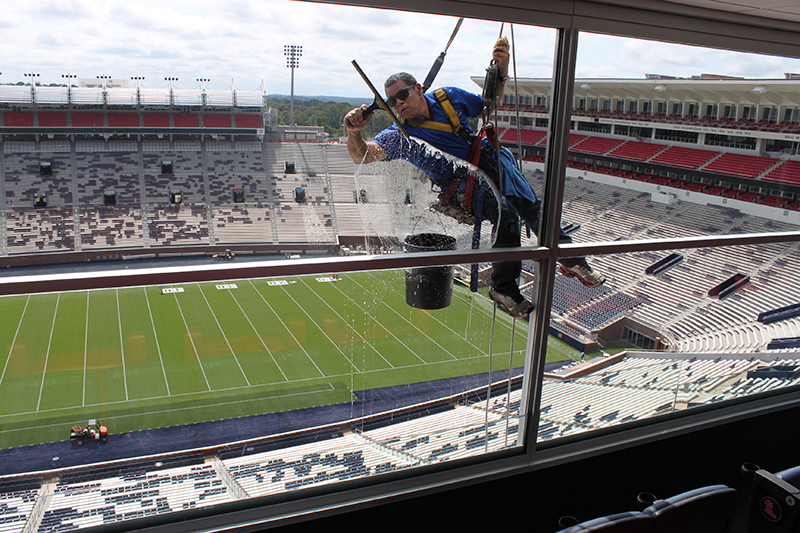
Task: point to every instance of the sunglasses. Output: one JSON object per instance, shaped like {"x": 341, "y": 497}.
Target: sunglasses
{"x": 402, "y": 94}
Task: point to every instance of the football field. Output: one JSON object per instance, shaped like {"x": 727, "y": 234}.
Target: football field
{"x": 146, "y": 357}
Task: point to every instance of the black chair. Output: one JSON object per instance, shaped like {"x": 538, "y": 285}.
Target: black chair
{"x": 774, "y": 500}
{"x": 629, "y": 522}
{"x": 704, "y": 510}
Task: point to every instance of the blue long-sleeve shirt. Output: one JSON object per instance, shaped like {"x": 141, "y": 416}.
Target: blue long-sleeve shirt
{"x": 438, "y": 167}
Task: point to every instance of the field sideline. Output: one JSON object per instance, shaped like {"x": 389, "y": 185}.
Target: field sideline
{"x": 136, "y": 358}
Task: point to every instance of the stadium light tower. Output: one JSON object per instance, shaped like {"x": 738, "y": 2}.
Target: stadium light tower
{"x": 171, "y": 95}
{"x": 292, "y": 53}
{"x": 203, "y": 96}
{"x": 33, "y": 77}
{"x": 104, "y": 80}
{"x": 138, "y": 80}
{"x": 69, "y": 78}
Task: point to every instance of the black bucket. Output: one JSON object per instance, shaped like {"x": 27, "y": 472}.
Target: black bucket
{"x": 429, "y": 287}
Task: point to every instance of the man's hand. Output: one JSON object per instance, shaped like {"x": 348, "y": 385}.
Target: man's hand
{"x": 500, "y": 53}
{"x": 361, "y": 151}
{"x": 355, "y": 120}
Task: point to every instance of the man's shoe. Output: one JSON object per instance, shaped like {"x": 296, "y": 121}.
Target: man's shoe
{"x": 584, "y": 273}
{"x": 515, "y": 306}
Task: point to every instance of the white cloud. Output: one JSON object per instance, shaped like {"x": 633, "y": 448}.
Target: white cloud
{"x": 244, "y": 40}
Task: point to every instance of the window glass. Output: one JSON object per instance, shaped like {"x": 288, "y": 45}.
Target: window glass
{"x": 248, "y": 386}
{"x": 669, "y": 331}
{"x": 699, "y": 132}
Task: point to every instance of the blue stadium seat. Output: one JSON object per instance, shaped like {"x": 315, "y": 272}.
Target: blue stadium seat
{"x": 629, "y": 522}
{"x": 704, "y": 510}
{"x": 774, "y": 500}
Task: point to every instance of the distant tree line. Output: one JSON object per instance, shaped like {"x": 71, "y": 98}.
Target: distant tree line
{"x": 329, "y": 115}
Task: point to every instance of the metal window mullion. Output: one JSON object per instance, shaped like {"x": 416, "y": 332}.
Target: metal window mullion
{"x": 555, "y": 163}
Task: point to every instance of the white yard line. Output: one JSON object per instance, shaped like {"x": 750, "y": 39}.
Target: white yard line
{"x": 421, "y": 360}
{"x": 416, "y": 328}
{"x": 155, "y": 335}
{"x": 455, "y": 332}
{"x": 47, "y": 357}
{"x": 122, "y": 346}
{"x": 321, "y": 373}
{"x": 13, "y": 342}
{"x": 321, "y": 299}
{"x": 374, "y": 349}
{"x": 333, "y": 343}
{"x": 191, "y": 339}
{"x": 189, "y": 408}
{"x": 478, "y": 358}
{"x": 223, "y": 335}
{"x": 85, "y": 348}
{"x": 264, "y": 344}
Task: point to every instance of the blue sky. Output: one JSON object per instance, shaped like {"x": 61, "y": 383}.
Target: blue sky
{"x": 243, "y": 40}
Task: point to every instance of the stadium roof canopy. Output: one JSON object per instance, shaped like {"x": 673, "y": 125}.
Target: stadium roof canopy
{"x": 757, "y": 92}
{"x": 742, "y": 25}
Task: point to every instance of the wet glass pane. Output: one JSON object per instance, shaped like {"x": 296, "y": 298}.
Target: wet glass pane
{"x": 670, "y": 331}
{"x": 235, "y": 388}
{"x": 670, "y": 149}
{"x": 284, "y": 383}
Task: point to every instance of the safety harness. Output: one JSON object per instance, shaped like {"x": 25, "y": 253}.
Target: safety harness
{"x": 477, "y": 156}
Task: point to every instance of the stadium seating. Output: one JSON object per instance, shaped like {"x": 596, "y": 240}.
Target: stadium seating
{"x": 628, "y": 522}
{"x": 326, "y": 173}
{"x": 87, "y": 119}
{"x": 749, "y": 166}
{"x": 787, "y": 172}
{"x": 52, "y": 119}
{"x": 24, "y": 180}
{"x": 101, "y": 172}
{"x": 154, "y": 119}
{"x": 775, "y": 201}
{"x": 16, "y": 506}
{"x": 575, "y": 138}
{"x": 637, "y": 151}
{"x": 704, "y": 510}
{"x": 216, "y": 120}
{"x": 683, "y": 157}
{"x": 596, "y": 145}
{"x": 40, "y": 230}
{"x": 773, "y": 500}
{"x": 243, "y": 120}
{"x": 528, "y": 137}
{"x": 111, "y": 227}
{"x": 17, "y": 118}
{"x": 177, "y": 225}
{"x": 123, "y": 119}
{"x": 235, "y": 224}
{"x": 135, "y": 495}
{"x": 185, "y": 120}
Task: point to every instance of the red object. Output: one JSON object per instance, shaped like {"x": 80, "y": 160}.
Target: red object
{"x": 185, "y": 120}
{"x": 84, "y": 119}
{"x": 18, "y": 118}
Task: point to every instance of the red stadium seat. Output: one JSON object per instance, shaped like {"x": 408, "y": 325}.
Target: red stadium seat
{"x": 156, "y": 120}
{"x": 56, "y": 119}
{"x": 18, "y": 118}
{"x": 87, "y": 119}
{"x": 123, "y": 120}
{"x": 186, "y": 120}
{"x": 216, "y": 120}
{"x": 251, "y": 120}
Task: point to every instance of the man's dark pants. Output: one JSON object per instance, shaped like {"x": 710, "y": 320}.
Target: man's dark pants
{"x": 512, "y": 208}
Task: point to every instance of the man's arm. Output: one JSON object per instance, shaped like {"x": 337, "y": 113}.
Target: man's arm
{"x": 359, "y": 149}
{"x": 500, "y": 53}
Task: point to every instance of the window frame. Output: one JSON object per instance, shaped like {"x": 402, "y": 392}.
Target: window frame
{"x": 663, "y": 21}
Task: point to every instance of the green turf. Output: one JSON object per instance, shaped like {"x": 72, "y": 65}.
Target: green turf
{"x": 136, "y": 358}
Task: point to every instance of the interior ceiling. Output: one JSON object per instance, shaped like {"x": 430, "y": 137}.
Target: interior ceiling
{"x": 776, "y": 9}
